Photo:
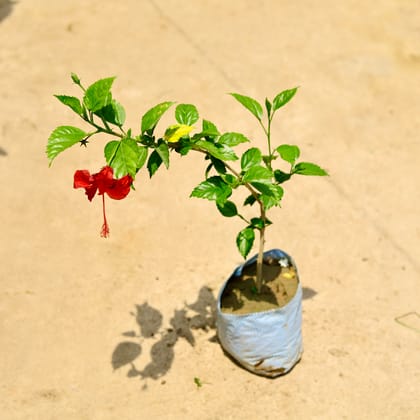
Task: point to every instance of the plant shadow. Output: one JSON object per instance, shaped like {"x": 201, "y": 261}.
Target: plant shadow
{"x": 199, "y": 315}
{"x": 6, "y": 7}
{"x": 308, "y": 293}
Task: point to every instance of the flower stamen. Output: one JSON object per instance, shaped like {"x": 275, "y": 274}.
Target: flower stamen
{"x": 101, "y": 183}
{"x": 105, "y": 226}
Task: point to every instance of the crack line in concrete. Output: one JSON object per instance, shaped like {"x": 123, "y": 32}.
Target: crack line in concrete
{"x": 378, "y": 227}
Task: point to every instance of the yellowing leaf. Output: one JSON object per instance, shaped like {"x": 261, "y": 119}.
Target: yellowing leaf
{"x": 174, "y": 132}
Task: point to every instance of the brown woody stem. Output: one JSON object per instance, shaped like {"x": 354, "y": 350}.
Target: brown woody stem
{"x": 262, "y": 232}
{"x": 261, "y": 253}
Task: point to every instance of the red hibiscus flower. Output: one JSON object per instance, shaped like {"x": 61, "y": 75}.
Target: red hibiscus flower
{"x": 103, "y": 182}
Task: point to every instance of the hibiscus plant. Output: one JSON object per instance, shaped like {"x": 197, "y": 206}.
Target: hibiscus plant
{"x": 128, "y": 152}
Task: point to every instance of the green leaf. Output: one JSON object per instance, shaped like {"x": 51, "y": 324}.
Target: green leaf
{"x": 218, "y": 165}
{"x": 219, "y": 151}
{"x": 213, "y": 188}
{"x": 258, "y": 223}
{"x": 154, "y": 163}
{"x": 281, "y": 176}
{"x": 228, "y": 208}
{"x": 186, "y": 114}
{"x": 269, "y": 201}
{"x": 250, "y": 104}
{"x": 269, "y": 189}
{"x": 75, "y": 78}
{"x": 271, "y": 194}
{"x": 210, "y": 129}
{"x": 113, "y": 113}
{"x": 257, "y": 174}
{"x": 146, "y": 139}
{"x": 97, "y": 95}
{"x": 143, "y": 151}
{"x": 184, "y": 146}
{"x": 250, "y": 158}
{"x": 72, "y": 102}
{"x": 250, "y": 200}
{"x": 232, "y": 139}
{"x": 267, "y": 159}
{"x": 208, "y": 169}
{"x": 123, "y": 156}
{"x": 153, "y": 115}
{"x": 282, "y": 98}
{"x": 231, "y": 180}
{"x": 110, "y": 150}
{"x": 175, "y": 132}
{"x": 163, "y": 151}
{"x": 62, "y": 138}
{"x": 245, "y": 240}
{"x": 306, "y": 168}
{"x": 288, "y": 153}
{"x": 119, "y": 112}
{"x": 268, "y": 106}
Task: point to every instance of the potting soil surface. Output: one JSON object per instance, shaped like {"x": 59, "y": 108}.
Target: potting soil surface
{"x": 241, "y": 294}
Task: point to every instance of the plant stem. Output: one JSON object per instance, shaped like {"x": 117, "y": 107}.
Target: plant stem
{"x": 261, "y": 251}
{"x": 260, "y": 258}
{"x": 268, "y": 132}
{"x": 262, "y": 230}
{"x": 260, "y": 261}
{"x": 106, "y": 129}
{"x": 262, "y": 216}
{"x": 246, "y": 184}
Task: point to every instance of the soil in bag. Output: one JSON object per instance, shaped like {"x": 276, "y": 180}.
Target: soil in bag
{"x": 240, "y": 295}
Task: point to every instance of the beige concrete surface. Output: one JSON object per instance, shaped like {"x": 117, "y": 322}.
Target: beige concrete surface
{"x": 67, "y": 296}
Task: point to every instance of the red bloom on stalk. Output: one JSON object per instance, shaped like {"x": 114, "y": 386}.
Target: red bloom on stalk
{"x": 103, "y": 182}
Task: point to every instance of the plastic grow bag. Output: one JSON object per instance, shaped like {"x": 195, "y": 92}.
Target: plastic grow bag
{"x": 267, "y": 343}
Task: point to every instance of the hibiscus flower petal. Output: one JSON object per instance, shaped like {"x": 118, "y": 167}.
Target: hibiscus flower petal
{"x": 120, "y": 188}
{"x": 104, "y": 179}
{"x": 83, "y": 179}
{"x": 90, "y": 192}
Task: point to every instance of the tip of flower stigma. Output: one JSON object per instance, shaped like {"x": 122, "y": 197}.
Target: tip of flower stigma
{"x": 105, "y": 230}
{"x": 105, "y": 227}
